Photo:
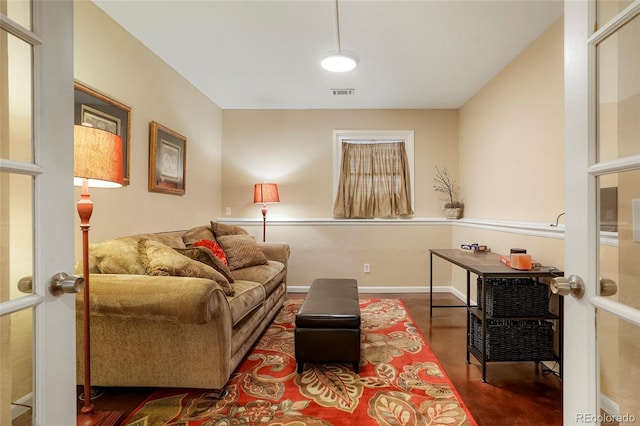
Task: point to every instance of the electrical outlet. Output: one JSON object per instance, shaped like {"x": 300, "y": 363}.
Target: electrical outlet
{"x": 228, "y": 211}
{"x": 367, "y": 268}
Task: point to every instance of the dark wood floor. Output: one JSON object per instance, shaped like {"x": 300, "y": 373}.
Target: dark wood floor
{"x": 515, "y": 394}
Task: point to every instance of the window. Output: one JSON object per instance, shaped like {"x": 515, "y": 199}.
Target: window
{"x": 372, "y": 174}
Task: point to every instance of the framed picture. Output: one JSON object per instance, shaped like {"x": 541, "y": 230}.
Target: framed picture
{"x": 167, "y": 160}
{"x": 102, "y": 112}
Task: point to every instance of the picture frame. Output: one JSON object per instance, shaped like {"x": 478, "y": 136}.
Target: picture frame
{"x": 167, "y": 160}
{"x": 103, "y": 112}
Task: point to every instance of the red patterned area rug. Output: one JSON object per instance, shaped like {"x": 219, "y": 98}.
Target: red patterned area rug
{"x": 400, "y": 382}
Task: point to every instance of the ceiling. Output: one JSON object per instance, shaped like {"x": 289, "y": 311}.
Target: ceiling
{"x": 266, "y": 54}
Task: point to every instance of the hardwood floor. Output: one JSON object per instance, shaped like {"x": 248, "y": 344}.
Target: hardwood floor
{"x": 515, "y": 393}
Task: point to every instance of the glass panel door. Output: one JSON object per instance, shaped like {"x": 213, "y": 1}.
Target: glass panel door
{"x": 617, "y": 171}
{"x": 37, "y": 330}
{"x": 619, "y": 339}
{"x": 16, "y": 218}
{"x": 602, "y": 184}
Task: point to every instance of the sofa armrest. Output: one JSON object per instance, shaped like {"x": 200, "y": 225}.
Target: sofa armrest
{"x": 163, "y": 298}
{"x": 276, "y": 251}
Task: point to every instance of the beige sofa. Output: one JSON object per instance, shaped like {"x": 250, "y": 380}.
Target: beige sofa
{"x": 162, "y": 316}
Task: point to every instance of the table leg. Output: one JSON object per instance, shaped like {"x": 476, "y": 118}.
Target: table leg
{"x": 430, "y": 285}
{"x": 484, "y": 329}
{"x": 468, "y": 315}
{"x": 561, "y": 334}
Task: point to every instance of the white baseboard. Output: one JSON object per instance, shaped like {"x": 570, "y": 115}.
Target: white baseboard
{"x": 405, "y": 289}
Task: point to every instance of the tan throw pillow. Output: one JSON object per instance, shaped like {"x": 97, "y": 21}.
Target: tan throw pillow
{"x": 221, "y": 229}
{"x": 204, "y": 255}
{"x": 162, "y": 260}
{"x": 242, "y": 251}
{"x": 172, "y": 239}
{"x": 117, "y": 256}
{"x": 196, "y": 234}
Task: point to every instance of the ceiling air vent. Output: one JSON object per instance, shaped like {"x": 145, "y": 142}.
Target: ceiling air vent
{"x": 343, "y": 91}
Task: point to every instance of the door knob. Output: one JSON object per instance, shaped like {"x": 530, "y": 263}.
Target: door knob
{"x": 563, "y": 286}
{"x": 62, "y": 283}
{"x": 25, "y": 284}
{"x": 608, "y": 287}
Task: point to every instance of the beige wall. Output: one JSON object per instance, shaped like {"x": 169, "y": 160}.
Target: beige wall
{"x": 294, "y": 148}
{"x": 398, "y": 255}
{"x": 512, "y": 138}
{"x": 512, "y": 151}
{"x": 512, "y": 128}
{"x": 110, "y": 60}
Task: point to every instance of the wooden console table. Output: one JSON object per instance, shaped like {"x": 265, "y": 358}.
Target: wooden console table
{"x": 487, "y": 265}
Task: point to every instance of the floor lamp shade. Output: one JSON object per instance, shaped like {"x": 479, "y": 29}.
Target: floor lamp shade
{"x": 97, "y": 157}
{"x": 97, "y": 162}
{"x": 265, "y": 193}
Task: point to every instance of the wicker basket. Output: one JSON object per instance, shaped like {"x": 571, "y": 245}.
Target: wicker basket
{"x": 514, "y": 297}
{"x": 514, "y": 340}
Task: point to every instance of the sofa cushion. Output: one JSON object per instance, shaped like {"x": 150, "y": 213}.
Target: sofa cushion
{"x": 249, "y": 296}
{"x": 204, "y": 255}
{"x": 242, "y": 251}
{"x": 160, "y": 259}
{"x": 221, "y": 229}
{"x": 196, "y": 234}
{"x": 269, "y": 275}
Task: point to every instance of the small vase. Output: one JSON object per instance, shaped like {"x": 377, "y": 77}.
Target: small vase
{"x": 453, "y": 213}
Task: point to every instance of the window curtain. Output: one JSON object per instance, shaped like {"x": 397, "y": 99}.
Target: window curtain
{"x": 374, "y": 181}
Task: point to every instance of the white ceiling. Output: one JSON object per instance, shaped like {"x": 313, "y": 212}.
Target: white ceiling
{"x": 266, "y": 54}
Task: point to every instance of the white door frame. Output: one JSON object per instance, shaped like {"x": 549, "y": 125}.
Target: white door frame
{"x": 55, "y": 363}
{"x": 581, "y": 368}
{"x": 54, "y": 387}
{"x": 580, "y": 387}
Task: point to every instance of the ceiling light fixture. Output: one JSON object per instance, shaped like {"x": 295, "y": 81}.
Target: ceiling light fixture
{"x": 339, "y": 61}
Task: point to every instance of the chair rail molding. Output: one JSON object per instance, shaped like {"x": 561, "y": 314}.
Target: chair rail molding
{"x": 536, "y": 229}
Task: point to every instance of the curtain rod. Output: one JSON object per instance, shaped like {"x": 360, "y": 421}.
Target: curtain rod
{"x": 372, "y": 141}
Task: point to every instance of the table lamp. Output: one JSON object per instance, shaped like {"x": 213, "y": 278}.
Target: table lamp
{"x": 97, "y": 162}
{"x": 265, "y": 193}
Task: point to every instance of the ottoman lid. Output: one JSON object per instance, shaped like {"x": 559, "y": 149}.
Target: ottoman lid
{"x": 329, "y": 313}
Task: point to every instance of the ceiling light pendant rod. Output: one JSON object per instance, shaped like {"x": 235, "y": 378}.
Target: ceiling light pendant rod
{"x": 338, "y": 28}
{"x": 339, "y": 62}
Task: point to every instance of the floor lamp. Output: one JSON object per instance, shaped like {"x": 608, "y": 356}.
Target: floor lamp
{"x": 97, "y": 162}
{"x": 265, "y": 193}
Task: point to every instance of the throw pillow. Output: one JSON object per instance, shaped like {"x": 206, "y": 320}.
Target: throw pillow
{"x": 196, "y": 234}
{"x": 117, "y": 256}
{"x": 215, "y": 249}
{"x": 221, "y": 229}
{"x": 162, "y": 260}
{"x": 172, "y": 239}
{"x": 242, "y": 251}
{"x": 204, "y": 255}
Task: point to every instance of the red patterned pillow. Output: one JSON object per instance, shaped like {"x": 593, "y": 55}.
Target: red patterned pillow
{"x": 215, "y": 249}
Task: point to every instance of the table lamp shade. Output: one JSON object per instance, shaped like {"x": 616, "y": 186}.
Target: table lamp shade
{"x": 97, "y": 157}
{"x": 264, "y": 193}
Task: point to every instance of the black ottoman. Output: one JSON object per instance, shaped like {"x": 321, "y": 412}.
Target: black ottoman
{"x": 328, "y": 324}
